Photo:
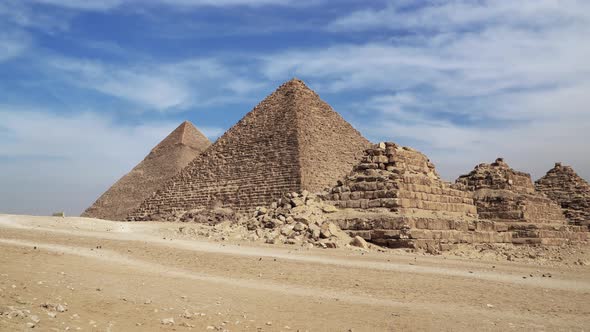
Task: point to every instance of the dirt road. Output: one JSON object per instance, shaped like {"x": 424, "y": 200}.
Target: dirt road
{"x": 60, "y": 274}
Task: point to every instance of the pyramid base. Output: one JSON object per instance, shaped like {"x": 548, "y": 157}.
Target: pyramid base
{"x": 437, "y": 233}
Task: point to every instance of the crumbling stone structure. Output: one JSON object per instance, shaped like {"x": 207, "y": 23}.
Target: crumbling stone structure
{"x": 503, "y": 194}
{"x": 509, "y": 198}
{"x": 402, "y": 180}
{"x": 568, "y": 189}
{"x": 292, "y": 141}
{"x": 165, "y": 160}
{"x": 395, "y": 198}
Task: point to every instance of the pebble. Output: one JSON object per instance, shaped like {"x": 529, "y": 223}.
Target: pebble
{"x": 167, "y": 321}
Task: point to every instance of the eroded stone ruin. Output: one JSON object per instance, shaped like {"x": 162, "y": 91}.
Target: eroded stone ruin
{"x": 509, "y": 199}
{"x": 563, "y": 185}
{"x": 503, "y": 194}
{"x": 292, "y": 141}
{"x": 395, "y": 198}
{"x": 166, "y": 159}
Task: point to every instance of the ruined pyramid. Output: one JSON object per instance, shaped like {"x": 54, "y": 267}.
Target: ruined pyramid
{"x": 568, "y": 189}
{"x": 292, "y": 141}
{"x": 503, "y": 194}
{"x": 395, "y": 198}
{"x": 165, "y": 160}
{"x": 400, "y": 179}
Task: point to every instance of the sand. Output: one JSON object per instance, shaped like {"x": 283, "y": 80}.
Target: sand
{"x": 113, "y": 276}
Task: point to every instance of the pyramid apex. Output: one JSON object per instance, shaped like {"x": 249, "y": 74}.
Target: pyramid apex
{"x": 187, "y": 134}
{"x": 294, "y": 84}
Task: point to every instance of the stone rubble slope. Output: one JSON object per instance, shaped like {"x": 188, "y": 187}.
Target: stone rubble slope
{"x": 296, "y": 219}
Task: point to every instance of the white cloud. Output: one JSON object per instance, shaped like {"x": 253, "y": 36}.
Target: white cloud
{"x": 51, "y": 162}
{"x": 159, "y": 86}
{"x": 455, "y": 14}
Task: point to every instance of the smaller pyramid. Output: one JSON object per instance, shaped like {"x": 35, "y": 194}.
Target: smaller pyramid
{"x": 568, "y": 189}
{"x": 503, "y": 194}
{"x": 402, "y": 180}
{"x": 165, "y": 160}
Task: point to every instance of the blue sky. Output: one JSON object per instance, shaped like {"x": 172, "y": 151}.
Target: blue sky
{"x": 88, "y": 87}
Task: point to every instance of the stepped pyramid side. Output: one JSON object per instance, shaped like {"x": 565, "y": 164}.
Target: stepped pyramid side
{"x": 503, "y": 194}
{"x": 274, "y": 149}
{"x": 165, "y": 160}
{"x": 400, "y": 179}
{"x": 395, "y": 198}
{"x": 568, "y": 189}
{"x": 329, "y": 147}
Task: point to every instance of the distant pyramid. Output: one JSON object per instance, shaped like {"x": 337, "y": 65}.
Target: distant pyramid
{"x": 165, "y": 160}
{"x": 291, "y": 141}
{"x": 563, "y": 185}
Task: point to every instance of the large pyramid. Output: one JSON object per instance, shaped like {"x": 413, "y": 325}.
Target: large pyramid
{"x": 563, "y": 185}
{"x": 291, "y": 141}
{"x": 164, "y": 161}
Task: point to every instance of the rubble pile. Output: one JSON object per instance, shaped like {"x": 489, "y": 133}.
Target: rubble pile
{"x": 299, "y": 218}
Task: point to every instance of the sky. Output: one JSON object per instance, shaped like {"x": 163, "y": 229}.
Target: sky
{"x": 87, "y": 88}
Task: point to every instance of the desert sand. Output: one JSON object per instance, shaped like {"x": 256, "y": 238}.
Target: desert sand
{"x": 82, "y": 274}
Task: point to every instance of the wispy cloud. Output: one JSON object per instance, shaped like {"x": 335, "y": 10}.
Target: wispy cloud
{"x": 464, "y": 14}
{"x": 158, "y": 86}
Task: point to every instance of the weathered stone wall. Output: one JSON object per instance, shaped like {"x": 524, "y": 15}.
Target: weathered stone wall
{"x": 395, "y": 198}
{"x": 400, "y": 179}
{"x": 568, "y": 189}
{"x": 165, "y": 160}
{"x": 329, "y": 146}
{"x": 503, "y": 194}
{"x": 266, "y": 154}
{"x": 255, "y": 161}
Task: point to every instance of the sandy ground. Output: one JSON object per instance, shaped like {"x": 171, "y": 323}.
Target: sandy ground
{"x": 77, "y": 274}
